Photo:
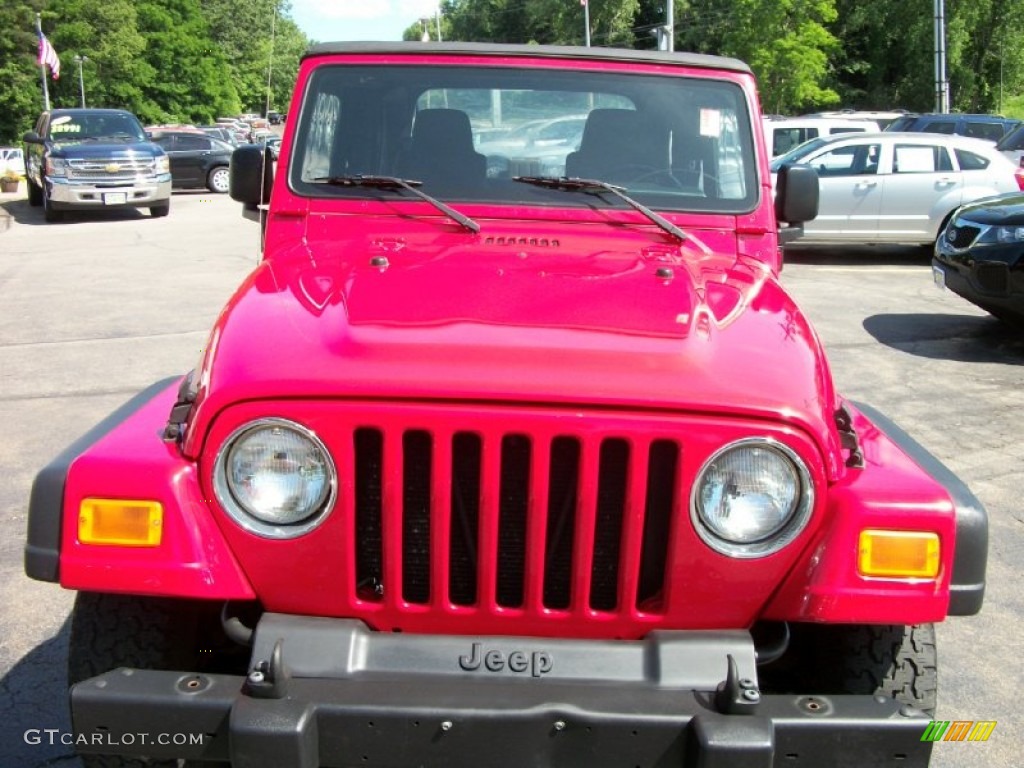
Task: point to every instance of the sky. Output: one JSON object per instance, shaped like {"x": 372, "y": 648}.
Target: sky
{"x": 330, "y": 20}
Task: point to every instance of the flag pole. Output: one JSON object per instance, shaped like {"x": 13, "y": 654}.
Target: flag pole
{"x": 42, "y": 64}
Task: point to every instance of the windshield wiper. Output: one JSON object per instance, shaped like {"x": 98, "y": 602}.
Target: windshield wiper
{"x": 393, "y": 182}
{"x": 596, "y": 185}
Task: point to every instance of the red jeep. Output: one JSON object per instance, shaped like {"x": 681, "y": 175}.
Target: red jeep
{"x": 513, "y": 451}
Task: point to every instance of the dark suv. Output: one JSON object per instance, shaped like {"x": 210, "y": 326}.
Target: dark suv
{"x": 197, "y": 159}
{"x": 989, "y": 127}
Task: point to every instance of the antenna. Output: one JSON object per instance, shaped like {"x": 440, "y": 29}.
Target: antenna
{"x": 266, "y": 114}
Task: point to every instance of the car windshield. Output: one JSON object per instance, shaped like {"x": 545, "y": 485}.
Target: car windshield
{"x": 466, "y": 133}
{"x": 92, "y": 127}
{"x": 798, "y": 153}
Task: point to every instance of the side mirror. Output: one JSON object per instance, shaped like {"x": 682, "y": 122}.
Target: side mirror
{"x": 796, "y": 194}
{"x": 251, "y": 176}
{"x": 32, "y": 138}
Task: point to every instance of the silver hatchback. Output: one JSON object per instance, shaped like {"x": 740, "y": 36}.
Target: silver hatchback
{"x": 897, "y": 187}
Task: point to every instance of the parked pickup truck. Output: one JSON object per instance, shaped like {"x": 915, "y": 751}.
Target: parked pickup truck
{"x": 509, "y": 461}
{"x": 89, "y": 159}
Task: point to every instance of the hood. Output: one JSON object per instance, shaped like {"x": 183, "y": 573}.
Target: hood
{"x": 607, "y": 316}
{"x": 1001, "y": 210}
{"x": 105, "y": 149}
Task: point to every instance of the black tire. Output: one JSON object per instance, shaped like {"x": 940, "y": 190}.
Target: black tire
{"x": 49, "y": 212}
{"x": 159, "y": 211}
{"x": 35, "y": 194}
{"x": 895, "y": 661}
{"x": 111, "y": 631}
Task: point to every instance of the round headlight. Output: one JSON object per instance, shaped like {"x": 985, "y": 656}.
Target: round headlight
{"x": 275, "y": 478}
{"x": 751, "y": 498}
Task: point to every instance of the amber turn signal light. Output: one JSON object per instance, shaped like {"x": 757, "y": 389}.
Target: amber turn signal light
{"x": 899, "y": 554}
{"x": 120, "y": 522}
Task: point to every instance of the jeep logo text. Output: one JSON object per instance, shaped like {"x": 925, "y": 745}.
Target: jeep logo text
{"x": 537, "y": 663}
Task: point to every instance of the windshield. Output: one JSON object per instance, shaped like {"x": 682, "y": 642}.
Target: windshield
{"x": 798, "y": 153}
{"x": 90, "y": 127}
{"x": 466, "y": 133}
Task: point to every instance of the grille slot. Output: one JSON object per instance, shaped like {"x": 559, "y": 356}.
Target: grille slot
{"x": 561, "y": 522}
{"x": 369, "y": 446}
{"x": 416, "y": 464}
{"x": 467, "y": 450}
{"x": 611, "y": 500}
{"x": 663, "y": 468}
{"x": 515, "y": 487}
{"x": 511, "y": 521}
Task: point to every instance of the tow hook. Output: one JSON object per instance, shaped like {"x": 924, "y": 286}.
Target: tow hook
{"x": 736, "y": 695}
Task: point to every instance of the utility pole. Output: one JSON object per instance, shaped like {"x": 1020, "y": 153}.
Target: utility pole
{"x": 586, "y": 22}
{"x": 667, "y": 32}
{"x": 437, "y": 15}
{"x": 79, "y": 60}
{"x": 941, "y": 82}
{"x": 42, "y": 65}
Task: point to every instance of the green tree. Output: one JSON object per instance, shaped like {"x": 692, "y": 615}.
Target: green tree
{"x": 786, "y": 42}
{"x": 191, "y": 79}
{"x": 545, "y": 22}
{"x": 20, "y": 83}
{"x": 244, "y": 31}
{"x": 105, "y": 32}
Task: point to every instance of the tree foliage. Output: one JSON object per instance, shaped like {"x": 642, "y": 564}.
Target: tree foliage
{"x": 165, "y": 60}
{"x": 191, "y": 60}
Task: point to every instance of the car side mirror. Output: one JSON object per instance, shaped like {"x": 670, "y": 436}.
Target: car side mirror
{"x": 251, "y": 178}
{"x": 31, "y": 137}
{"x": 796, "y": 198}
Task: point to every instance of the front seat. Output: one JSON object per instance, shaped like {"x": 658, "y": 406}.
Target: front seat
{"x": 441, "y": 153}
{"x": 619, "y": 146}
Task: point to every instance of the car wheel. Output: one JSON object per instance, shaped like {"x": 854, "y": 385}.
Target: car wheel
{"x": 35, "y": 194}
{"x": 218, "y": 179}
{"x": 157, "y": 211}
{"x": 49, "y": 213}
{"x": 111, "y": 631}
{"x": 894, "y": 661}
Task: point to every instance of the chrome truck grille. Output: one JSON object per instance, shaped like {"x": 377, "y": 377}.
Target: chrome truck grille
{"x": 109, "y": 169}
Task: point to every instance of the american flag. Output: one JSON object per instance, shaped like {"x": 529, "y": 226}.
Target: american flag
{"x": 48, "y": 56}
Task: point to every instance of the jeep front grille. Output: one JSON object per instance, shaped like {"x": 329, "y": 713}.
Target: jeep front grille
{"x": 513, "y": 520}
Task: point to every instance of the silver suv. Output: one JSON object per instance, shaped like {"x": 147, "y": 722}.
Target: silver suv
{"x": 897, "y": 187}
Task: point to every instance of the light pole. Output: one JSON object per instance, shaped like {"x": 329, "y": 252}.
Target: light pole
{"x": 79, "y": 60}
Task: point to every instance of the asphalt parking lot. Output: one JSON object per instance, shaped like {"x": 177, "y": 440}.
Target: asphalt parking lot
{"x": 97, "y": 307}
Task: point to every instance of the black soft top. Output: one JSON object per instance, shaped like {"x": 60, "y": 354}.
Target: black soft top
{"x": 700, "y": 60}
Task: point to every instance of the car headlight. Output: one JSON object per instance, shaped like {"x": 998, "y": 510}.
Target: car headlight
{"x": 56, "y": 167}
{"x": 163, "y": 164}
{"x": 275, "y": 478}
{"x": 751, "y": 498}
{"x": 1009, "y": 234}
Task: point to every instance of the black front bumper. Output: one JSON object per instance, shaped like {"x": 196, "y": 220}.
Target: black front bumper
{"x": 332, "y": 693}
{"x": 991, "y": 277}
